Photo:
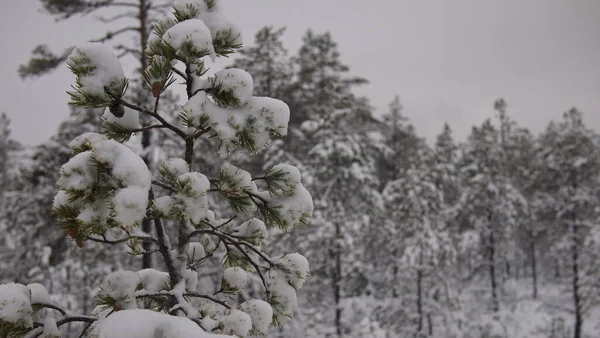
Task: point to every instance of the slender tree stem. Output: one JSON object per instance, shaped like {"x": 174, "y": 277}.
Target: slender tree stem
{"x": 189, "y": 151}
{"x": 164, "y": 247}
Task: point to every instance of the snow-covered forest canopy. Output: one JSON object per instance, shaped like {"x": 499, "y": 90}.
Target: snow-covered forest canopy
{"x": 185, "y": 201}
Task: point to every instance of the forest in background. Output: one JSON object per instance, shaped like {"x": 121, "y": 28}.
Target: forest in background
{"x": 493, "y": 236}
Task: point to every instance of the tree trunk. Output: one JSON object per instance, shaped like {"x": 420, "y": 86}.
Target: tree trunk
{"x": 492, "y": 272}
{"x": 420, "y": 294}
{"x": 419, "y": 301}
{"x": 533, "y": 267}
{"x": 146, "y": 134}
{"x": 430, "y": 324}
{"x": 338, "y": 281}
{"x": 395, "y": 274}
{"x": 86, "y": 292}
{"x": 575, "y": 281}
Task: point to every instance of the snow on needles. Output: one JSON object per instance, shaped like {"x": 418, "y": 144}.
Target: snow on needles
{"x": 221, "y": 29}
{"x": 191, "y": 198}
{"x": 191, "y": 39}
{"x": 234, "y": 279}
{"x": 96, "y": 67}
{"x": 120, "y": 286}
{"x": 129, "y": 121}
{"x": 104, "y": 188}
{"x": 247, "y": 126}
{"x": 105, "y": 182}
{"x": 146, "y": 323}
{"x": 260, "y": 313}
{"x": 236, "y": 322}
{"x": 15, "y": 304}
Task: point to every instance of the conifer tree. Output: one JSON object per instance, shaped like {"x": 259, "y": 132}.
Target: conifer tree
{"x": 319, "y": 77}
{"x": 407, "y": 148}
{"x": 347, "y": 198}
{"x": 572, "y": 163}
{"x": 267, "y": 62}
{"x": 416, "y": 204}
{"x": 489, "y": 201}
{"x": 5, "y": 147}
{"x": 143, "y": 14}
{"x": 106, "y": 190}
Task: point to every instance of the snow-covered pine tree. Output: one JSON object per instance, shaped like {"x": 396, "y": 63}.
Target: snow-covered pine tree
{"x": 344, "y": 179}
{"x": 267, "y": 62}
{"x": 319, "y": 76}
{"x": 404, "y": 142}
{"x": 135, "y": 18}
{"x": 39, "y": 253}
{"x": 106, "y": 190}
{"x": 416, "y": 204}
{"x": 571, "y": 169}
{"x": 7, "y": 146}
{"x": 523, "y": 167}
{"x": 11, "y": 154}
{"x": 489, "y": 201}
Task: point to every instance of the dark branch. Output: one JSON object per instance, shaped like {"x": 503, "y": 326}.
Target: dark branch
{"x": 50, "y": 306}
{"x": 155, "y": 126}
{"x": 130, "y": 15}
{"x": 83, "y": 319}
{"x": 197, "y": 295}
{"x": 122, "y": 240}
{"x": 111, "y": 35}
{"x": 155, "y": 115}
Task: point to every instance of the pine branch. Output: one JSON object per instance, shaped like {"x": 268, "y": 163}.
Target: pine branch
{"x": 83, "y": 319}
{"x": 155, "y": 115}
{"x": 256, "y": 267}
{"x": 154, "y": 126}
{"x": 48, "y": 306}
{"x": 123, "y": 240}
{"x": 198, "y": 295}
{"x": 111, "y": 35}
{"x": 127, "y": 50}
{"x": 129, "y": 15}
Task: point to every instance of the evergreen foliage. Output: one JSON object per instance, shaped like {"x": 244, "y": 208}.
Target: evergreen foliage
{"x": 496, "y": 235}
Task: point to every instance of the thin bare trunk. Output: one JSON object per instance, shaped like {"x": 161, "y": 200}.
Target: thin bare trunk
{"x": 420, "y": 294}
{"x": 146, "y": 134}
{"x": 419, "y": 301}
{"x": 533, "y": 267}
{"x": 492, "y": 270}
{"x": 575, "y": 282}
{"x": 338, "y": 281}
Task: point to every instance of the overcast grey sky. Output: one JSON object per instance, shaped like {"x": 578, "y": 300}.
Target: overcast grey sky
{"x": 447, "y": 59}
